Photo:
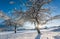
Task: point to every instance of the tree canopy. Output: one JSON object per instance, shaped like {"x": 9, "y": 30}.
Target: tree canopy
{"x": 34, "y": 13}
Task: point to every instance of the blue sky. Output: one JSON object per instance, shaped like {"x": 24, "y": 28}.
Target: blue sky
{"x": 6, "y": 6}
{"x": 56, "y": 4}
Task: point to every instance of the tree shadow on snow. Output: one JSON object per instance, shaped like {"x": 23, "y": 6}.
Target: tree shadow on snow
{"x": 38, "y": 36}
{"x": 57, "y": 37}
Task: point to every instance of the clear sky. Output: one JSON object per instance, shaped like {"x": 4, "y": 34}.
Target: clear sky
{"x": 8, "y": 5}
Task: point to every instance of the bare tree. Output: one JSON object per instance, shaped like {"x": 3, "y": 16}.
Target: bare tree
{"x": 35, "y": 13}
{"x": 8, "y": 21}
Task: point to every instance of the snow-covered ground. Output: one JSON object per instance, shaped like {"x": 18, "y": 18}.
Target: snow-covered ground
{"x": 50, "y": 33}
{"x": 30, "y": 34}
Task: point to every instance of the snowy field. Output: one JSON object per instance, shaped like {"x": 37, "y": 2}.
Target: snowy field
{"x": 30, "y": 35}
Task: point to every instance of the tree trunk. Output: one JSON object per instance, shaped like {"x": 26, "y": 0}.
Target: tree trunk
{"x": 38, "y": 30}
{"x": 37, "y": 26}
{"x": 15, "y": 29}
